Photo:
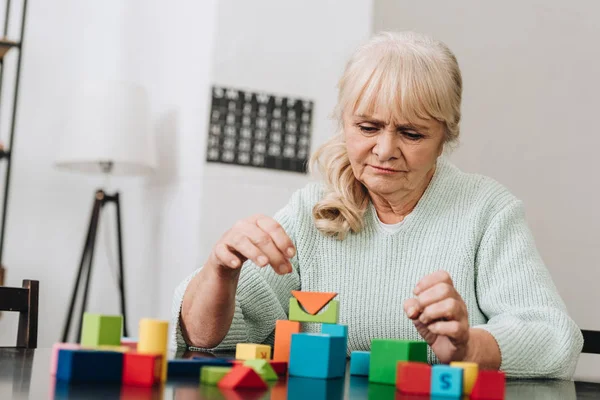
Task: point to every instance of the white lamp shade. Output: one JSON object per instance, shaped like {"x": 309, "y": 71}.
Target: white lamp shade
{"x": 108, "y": 124}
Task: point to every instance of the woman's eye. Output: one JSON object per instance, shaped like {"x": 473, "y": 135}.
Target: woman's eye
{"x": 367, "y": 129}
{"x": 413, "y": 135}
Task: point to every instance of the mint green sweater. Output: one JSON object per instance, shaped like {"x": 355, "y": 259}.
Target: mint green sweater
{"x": 466, "y": 224}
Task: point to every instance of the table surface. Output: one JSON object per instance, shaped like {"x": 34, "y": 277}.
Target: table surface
{"x": 24, "y": 374}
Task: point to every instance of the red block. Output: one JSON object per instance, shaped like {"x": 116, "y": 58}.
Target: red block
{"x": 413, "y": 377}
{"x": 141, "y": 369}
{"x": 242, "y": 377}
{"x": 490, "y": 385}
{"x": 280, "y": 367}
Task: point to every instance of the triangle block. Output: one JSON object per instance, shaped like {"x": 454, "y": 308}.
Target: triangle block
{"x": 242, "y": 377}
{"x": 263, "y": 368}
{"x": 313, "y": 302}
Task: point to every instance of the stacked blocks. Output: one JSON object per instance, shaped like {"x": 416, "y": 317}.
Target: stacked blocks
{"x": 413, "y": 378}
{"x": 283, "y": 338}
{"x": 317, "y": 356}
{"x": 98, "y": 330}
{"x": 359, "y": 363}
{"x": 251, "y": 351}
{"x": 385, "y": 354}
{"x": 330, "y": 315}
{"x": 446, "y": 381}
{"x": 153, "y": 340}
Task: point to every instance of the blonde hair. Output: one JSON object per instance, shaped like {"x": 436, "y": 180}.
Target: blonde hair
{"x": 415, "y": 74}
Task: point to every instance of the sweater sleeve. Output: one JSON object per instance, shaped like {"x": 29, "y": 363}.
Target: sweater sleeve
{"x": 526, "y": 315}
{"x": 262, "y": 298}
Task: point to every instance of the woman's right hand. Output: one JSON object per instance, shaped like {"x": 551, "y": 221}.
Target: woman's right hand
{"x": 258, "y": 238}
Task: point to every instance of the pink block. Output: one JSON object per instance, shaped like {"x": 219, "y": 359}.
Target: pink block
{"x": 131, "y": 343}
{"x": 55, "y": 348}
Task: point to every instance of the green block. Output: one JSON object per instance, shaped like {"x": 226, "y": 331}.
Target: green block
{"x": 329, "y": 316}
{"x": 263, "y": 368}
{"x": 101, "y": 330}
{"x": 212, "y": 375}
{"x": 385, "y": 354}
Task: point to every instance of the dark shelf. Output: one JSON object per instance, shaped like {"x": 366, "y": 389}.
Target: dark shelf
{"x": 6, "y": 45}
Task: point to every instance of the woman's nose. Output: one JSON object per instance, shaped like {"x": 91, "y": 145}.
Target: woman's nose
{"x": 386, "y": 148}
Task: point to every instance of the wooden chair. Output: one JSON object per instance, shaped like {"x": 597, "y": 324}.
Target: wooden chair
{"x": 23, "y": 300}
{"x": 591, "y": 342}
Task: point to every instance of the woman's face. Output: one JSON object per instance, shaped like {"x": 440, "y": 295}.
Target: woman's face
{"x": 392, "y": 158}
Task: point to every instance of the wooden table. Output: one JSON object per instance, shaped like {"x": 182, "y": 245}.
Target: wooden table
{"x": 24, "y": 374}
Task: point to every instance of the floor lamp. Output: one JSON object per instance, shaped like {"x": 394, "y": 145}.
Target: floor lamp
{"x": 107, "y": 132}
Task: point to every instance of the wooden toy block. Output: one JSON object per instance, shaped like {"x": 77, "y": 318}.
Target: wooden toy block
{"x": 359, "y": 363}
{"x": 100, "y": 329}
{"x": 190, "y": 368}
{"x": 317, "y": 356}
{"x": 141, "y": 369}
{"x": 120, "y": 349}
{"x": 252, "y": 351}
{"x": 283, "y": 336}
{"x": 263, "y": 368}
{"x": 328, "y": 316}
{"x": 299, "y": 388}
{"x": 54, "y": 358}
{"x": 89, "y": 366}
{"x": 280, "y": 367}
{"x": 129, "y": 342}
{"x": 153, "y": 340}
{"x": 313, "y": 302}
{"x": 212, "y": 375}
{"x": 470, "y": 372}
{"x": 242, "y": 377}
{"x": 490, "y": 385}
{"x": 413, "y": 377}
{"x": 385, "y": 354}
{"x": 446, "y": 381}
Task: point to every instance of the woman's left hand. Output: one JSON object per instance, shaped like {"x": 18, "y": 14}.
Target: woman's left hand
{"x": 440, "y": 316}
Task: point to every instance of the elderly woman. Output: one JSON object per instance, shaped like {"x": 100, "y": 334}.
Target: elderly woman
{"x": 415, "y": 247}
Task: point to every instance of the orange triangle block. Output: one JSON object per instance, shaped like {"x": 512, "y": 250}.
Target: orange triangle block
{"x": 242, "y": 377}
{"x": 313, "y": 302}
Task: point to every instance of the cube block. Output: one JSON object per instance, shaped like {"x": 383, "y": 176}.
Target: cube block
{"x": 153, "y": 339}
{"x": 212, "y": 375}
{"x": 98, "y": 329}
{"x": 251, "y": 351}
{"x": 385, "y": 354}
{"x": 317, "y": 356}
{"x": 446, "y": 381}
{"x": 413, "y": 377}
{"x": 141, "y": 369}
{"x": 54, "y": 359}
{"x": 490, "y": 385}
{"x": 280, "y": 367}
{"x": 283, "y": 336}
{"x": 470, "y": 372}
{"x": 328, "y": 316}
{"x": 89, "y": 366}
{"x": 359, "y": 363}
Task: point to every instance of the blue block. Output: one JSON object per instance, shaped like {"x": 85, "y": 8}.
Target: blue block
{"x": 359, "y": 363}
{"x": 314, "y": 389}
{"x": 335, "y": 330}
{"x": 446, "y": 381}
{"x": 190, "y": 368}
{"x": 89, "y": 366}
{"x": 314, "y": 355}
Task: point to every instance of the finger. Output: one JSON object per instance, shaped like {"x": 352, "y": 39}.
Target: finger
{"x": 456, "y": 330}
{"x": 412, "y": 309}
{"x": 447, "y": 309}
{"x": 227, "y": 257}
{"x": 278, "y": 235}
{"x": 250, "y": 240}
{"x": 436, "y": 293}
{"x": 425, "y": 333}
{"x": 431, "y": 280}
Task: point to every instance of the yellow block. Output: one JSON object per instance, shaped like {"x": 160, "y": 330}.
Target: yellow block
{"x": 153, "y": 336}
{"x": 251, "y": 351}
{"x": 470, "y": 372}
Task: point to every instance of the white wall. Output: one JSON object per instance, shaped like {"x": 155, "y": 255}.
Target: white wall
{"x": 165, "y": 47}
{"x": 297, "y": 49}
{"x": 531, "y": 84}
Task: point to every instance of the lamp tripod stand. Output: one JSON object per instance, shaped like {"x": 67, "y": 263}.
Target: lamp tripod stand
{"x": 85, "y": 267}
